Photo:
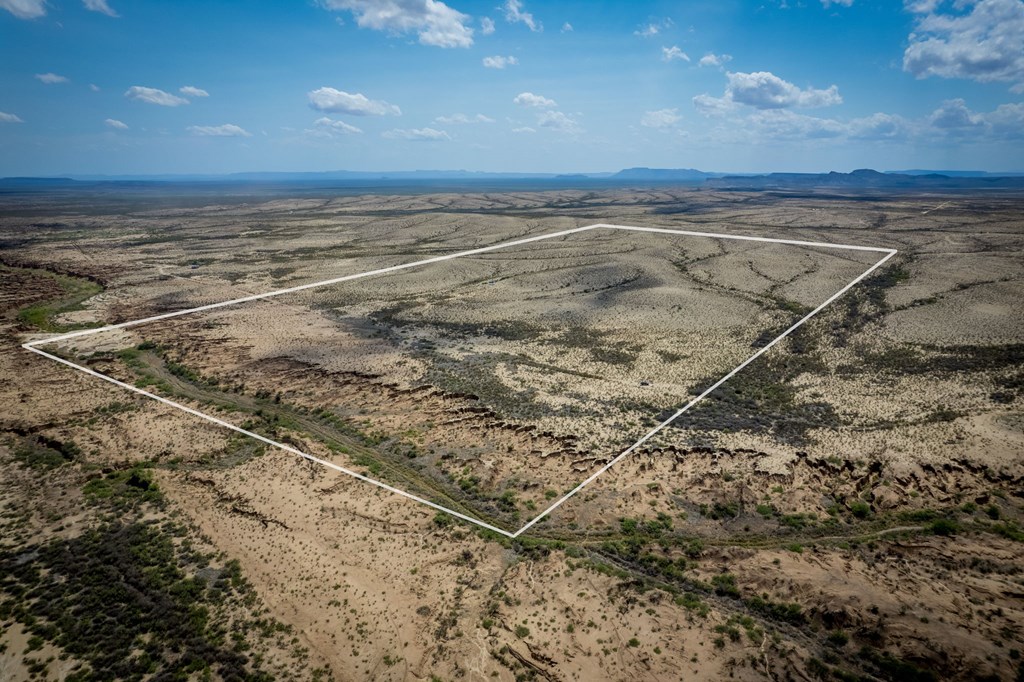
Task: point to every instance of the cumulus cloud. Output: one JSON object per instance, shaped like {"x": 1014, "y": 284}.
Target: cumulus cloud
{"x": 434, "y": 22}
{"x": 841, "y": 3}
{"x": 567, "y": 27}
{"x": 100, "y": 6}
{"x": 784, "y": 124}
{"x": 51, "y": 78}
{"x": 528, "y": 99}
{"x": 1007, "y": 120}
{"x": 25, "y": 9}
{"x": 953, "y": 114}
{"x": 952, "y": 121}
{"x": 524, "y": 129}
{"x": 556, "y": 120}
{"x": 954, "y": 118}
{"x": 416, "y": 134}
{"x": 486, "y": 26}
{"x": 765, "y": 90}
{"x": 191, "y": 91}
{"x": 341, "y": 102}
{"x": 717, "y": 60}
{"x": 226, "y": 130}
{"x": 673, "y": 53}
{"x": 115, "y": 124}
{"x": 710, "y": 106}
{"x": 154, "y": 96}
{"x": 662, "y": 118}
{"x": 653, "y": 28}
{"x": 462, "y": 119}
{"x": 94, "y": 87}
{"x": 984, "y": 44}
{"x": 514, "y": 14}
{"x": 9, "y": 118}
{"x": 499, "y": 62}
{"x": 880, "y": 127}
{"x": 331, "y": 127}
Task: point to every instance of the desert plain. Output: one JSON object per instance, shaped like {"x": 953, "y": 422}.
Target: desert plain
{"x": 847, "y": 506}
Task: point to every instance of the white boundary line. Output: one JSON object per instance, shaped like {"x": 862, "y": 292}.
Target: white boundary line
{"x": 32, "y": 346}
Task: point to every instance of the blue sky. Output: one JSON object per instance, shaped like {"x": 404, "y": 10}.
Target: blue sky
{"x": 182, "y": 86}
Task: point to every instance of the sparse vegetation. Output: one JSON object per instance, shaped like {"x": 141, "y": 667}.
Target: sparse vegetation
{"x": 716, "y": 546}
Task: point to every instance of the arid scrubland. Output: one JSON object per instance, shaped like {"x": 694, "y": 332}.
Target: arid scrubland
{"x": 846, "y": 507}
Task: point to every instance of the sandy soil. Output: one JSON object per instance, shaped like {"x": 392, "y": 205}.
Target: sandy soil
{"x": 786, "y": 529}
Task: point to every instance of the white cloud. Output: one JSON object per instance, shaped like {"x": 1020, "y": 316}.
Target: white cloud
{"x": 653, "y": 28}
{"x": 486, "y": 26}
{"x": 514, "y": 13}
{"x": 524, "y": 129}
{"x": 335, "y": 127}
{"x": 953, "y": 121}
{"x": 416, "y": 134}
{"x": 556, "y": 120}
{"x": 191, "y": 91}
{"x": 842, "y": 3}
{"x": 226, "y": 130}
{"x": 433, "y": 21}
{"x": 662, "y": 118}
{"x": 100, "y": 6}
{"x": 880, "y": 127}
{"x": 94, "y": 87}
{"x": 462, "y": 119}
{"x": 117, "y": 125}
{"x": 25, "y": 9}
{"x": 9, "y": 118}
{"x": 707, "y": 105}
{"x": 984, "y": 45}
{"x": 783, "y": 124}
{"x": 669, "y": 54}
{"x": 154, "y": 96}
{"x": 953, "y": 118}
{"x": 765, "y": 90}
{"x": 528, "y": 99}
{"x": 51, "y": 78}
{"x": 567, "y": 27}
{"x": 1007, "y": 120}
{"x": 340, "y": 102}
{"x": 499, "y": 62}
{"x": 718, "y": 60}
{"x": 954, "y": 115}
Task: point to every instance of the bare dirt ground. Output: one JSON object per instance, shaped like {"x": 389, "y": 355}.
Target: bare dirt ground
{"x": 847, "y": 507}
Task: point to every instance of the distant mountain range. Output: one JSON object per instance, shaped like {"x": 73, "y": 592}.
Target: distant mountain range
{"x": 644, "y": 174}
{"x": 957, "y": 173}
{"x": 864, "y": 178}
{"x": 868, "y": 179}
{"x": 665, "y": 174}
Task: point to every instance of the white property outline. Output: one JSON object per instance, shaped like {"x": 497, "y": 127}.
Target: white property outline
{"x": 33, "y": 346}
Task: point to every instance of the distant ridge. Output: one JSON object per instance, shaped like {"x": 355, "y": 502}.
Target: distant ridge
{"x": 958, "y": 173}
{"x": 665, "y": 174}
{"x": 864, "y": 178}
{"x": 35, "y": 181}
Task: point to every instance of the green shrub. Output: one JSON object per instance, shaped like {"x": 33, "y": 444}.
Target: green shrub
{"x": 725, "y": 585}
{"x": 944, "y": 527}
{"x": 838, "y": 638}
{"x": 860, "y": 509}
